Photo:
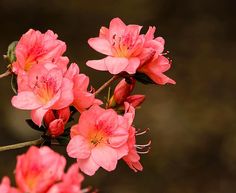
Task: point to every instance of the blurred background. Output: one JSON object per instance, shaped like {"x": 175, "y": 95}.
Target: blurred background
{"x": 192, "y": 124}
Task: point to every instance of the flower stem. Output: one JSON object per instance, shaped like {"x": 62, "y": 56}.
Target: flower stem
{"x": 106, "y": 84}
{"x": 5, "y": 74}
{"x": 20, "y": 145}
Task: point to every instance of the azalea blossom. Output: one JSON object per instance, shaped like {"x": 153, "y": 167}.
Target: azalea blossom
{"x": 129, "y": 51}
{"x": 155, "y": 68}
{"x": 122, "y": 44}
{"x": 99, "y": 139}
{"x": 36, "y": 48}
{"x": 83, "y": 99}
{"x": 71, "y": 182}
{"x": 38, "y": 169}
{"x": 45, "y": 90}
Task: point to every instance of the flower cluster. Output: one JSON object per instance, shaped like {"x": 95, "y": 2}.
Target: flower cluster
{"x": 54, "y": 90}
{"x": 41, "y": 170}
{"x": 129, "y": 51}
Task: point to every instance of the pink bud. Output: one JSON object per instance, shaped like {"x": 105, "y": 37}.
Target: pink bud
{"x": 135, "y": 100}
{"x": 55, "y": 120}
{"x": 123, "y": 90}
{"x": 56, "y": 127}
{"x": 64, "y": 114}
{"x": 49, "y": 117}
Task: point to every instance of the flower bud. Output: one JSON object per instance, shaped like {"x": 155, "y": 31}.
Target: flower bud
{"x": 56, "y": 127}
{"x": 49, "y": 117}
{"x": 64, "y": 114}
{"x": 135, "y": 100}
{"x": 123, "y": 90}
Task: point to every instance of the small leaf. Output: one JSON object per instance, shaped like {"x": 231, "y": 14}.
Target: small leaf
{"x": 14, "y": 83}
{"x": 47, "y": 140}
{"x": 63, "y": 140}
{"x": 66, "y": 132}
{"x": 143, "y": 78}
{"x": 11, "y": 52}
{"x": 34, "y": 126}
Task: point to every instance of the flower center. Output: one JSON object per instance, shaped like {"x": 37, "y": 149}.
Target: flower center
{"x": 122, "y": 45}
{"x": 97, "y": 138}
{"x": 45, "y": 90}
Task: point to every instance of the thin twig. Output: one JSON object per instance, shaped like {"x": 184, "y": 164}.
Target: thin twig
{"x": 106, "y": 84}
{"x": 20, "y": 145}
{"x": 5, "y": 74}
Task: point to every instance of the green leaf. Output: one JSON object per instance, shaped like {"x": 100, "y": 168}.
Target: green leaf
{"x": 63, "y": 140}
{"x": 11, "y": 52}
{"x": 14, "y": 83}
{"x": 143, "y": 78}
{"x": 34, "y": 126}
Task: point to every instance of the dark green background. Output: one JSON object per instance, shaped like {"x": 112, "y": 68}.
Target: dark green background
{"x": 192, "y": 124}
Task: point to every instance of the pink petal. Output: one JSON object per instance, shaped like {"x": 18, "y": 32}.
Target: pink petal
{"x": 81, "y": 82}
{"x": 72, "y": 71}
{"x": 83, "y": 100}
{"x": 88, "y": 119}
{"x": 55, "y": 76}
{"x": 119, "y": 137}
{"x": 78, "y": 147}
{"x": 122, "y": 151}
{"x": 26, "y": 100}
{"x": 66, "y": 97}
{"x": 104, "y": 33}
{"x": 101, "y": 45}
{"x": 150, "y": 33}
{"x": 160, "y": 78}
{"x": 117, "y": 27}
{"x": 88, "y": 166}
{"x": 133, "y": 65}
{"x": 116, "y": 65}
{"x": 105, "y": 156}
{"x": 107, "y": 121}
{"x": 37, "y": 115}
{"x": 97, "y": 64}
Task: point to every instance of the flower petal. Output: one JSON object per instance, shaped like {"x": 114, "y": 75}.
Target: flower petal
{"x": 116, "y": 65}
{"x": 101, "y": 45}
{"x": 26, "y": 100}
{"x": 78, "y": 147}
{"x": 97, "y": 64}
{"x": 133, "y": 65}
{"x": 88, "y": 166}
{"x": 37, "y": 115}
{"x": 105, "y": 156}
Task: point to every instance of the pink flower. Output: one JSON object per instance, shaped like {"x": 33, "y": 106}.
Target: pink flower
{"x": 154, "y": 69}
{"x": 129, "y": 51}
{"x": 82, "y": 98}
{"x": 38, "y": 169}
{"x": 6, "y": 188}
{"x": 122, "y": 44}
{"x": 55, "y": 120}
{"x": 153, "y": 63}
{"x": 45, "y": 90}
{"x": 35, "y": 48}
{"x": 132, "y": 159}
{"x": 71, "y": 182}
{"x": 99, "y": 139}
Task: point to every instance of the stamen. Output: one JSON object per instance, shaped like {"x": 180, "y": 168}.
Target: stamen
{"x": 144, "y": 152}
{"x": 143, "y": 146}
{"x": 142, "y": 132}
